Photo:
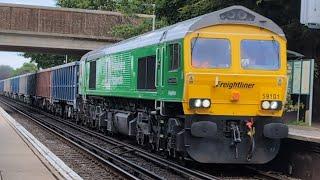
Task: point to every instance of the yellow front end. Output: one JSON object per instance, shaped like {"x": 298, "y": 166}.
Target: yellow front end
{"x": 239, "y": 87}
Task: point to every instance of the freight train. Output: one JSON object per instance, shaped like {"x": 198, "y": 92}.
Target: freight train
{"x": 210, "y": 89}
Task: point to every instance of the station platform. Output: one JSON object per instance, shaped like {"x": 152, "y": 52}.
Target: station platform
{"x": 304, "y": 133}
{"x": 22, "y": 156}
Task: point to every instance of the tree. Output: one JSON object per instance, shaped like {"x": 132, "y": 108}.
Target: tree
{"x": 124, "y": 6}
{"x": 89, "y": 4}
{"x": 24, "y": 69}
{"x": 127, "y": 30}
{"x": 49, "y": 60}
{"x": 5, "y": 71}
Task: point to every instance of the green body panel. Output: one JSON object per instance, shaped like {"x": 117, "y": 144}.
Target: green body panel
{"x": 116, "y": 75}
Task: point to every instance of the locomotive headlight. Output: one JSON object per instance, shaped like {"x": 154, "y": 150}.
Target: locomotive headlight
{"x": 206, "y": 103}
{"x": 271, "y": 105}
{"x": 274, "y": 105}
{"x": 265, "y": 105}
{"x": 200, "y": 103}
{"x": 197, "y": 103}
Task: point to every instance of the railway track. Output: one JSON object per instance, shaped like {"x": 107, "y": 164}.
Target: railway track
{"x": 267, "y": 175}
{"x": 137, "y": 162}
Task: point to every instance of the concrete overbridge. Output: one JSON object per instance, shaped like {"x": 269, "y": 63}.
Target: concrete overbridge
{"x": 58, "y": 30}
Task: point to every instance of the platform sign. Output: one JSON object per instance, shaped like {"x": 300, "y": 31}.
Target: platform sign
{"x": 300, "y": 73}
{"x": 289, "y": 71}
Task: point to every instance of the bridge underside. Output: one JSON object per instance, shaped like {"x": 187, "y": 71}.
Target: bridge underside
{"x": 49, "y": 43}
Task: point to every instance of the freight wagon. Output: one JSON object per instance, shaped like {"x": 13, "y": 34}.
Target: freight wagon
{"x": 54, "y": 89}
{"x": 15, "y": 86}
{"x": 27, "y": 86}
{"x": 43, "y": 89}
{"x": 7, "y": 87}
{"x": 64, "y": 86}
{"x": 1, "y": 86}
{"x": 23, "y": 85}
{"x": 31, "y": 85}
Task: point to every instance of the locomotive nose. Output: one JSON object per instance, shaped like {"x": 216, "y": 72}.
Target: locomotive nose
{"x": 236, "y": 140}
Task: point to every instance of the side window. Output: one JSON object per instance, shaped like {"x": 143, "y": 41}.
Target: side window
{"x": 146, "y": 73}
{"x": 92, "y": 75}
{"x": 175, "y": 56}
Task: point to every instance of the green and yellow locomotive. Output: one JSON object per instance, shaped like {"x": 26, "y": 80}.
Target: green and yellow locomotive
{"x": 210, "y": 88}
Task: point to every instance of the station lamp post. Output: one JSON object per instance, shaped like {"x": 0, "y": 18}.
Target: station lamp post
{"x": 153, "y": 15}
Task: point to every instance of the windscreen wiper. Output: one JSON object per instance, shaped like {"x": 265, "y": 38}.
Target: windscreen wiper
{"x": 194, "y": 43}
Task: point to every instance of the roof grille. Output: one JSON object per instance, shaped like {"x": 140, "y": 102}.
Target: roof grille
{"x": 237, "y": 15}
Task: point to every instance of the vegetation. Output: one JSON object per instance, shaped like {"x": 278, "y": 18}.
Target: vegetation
{"x": 127, "y": 30}
{"x": 5, "y": 71}
{"x": 126, "y": 6}
{"x": 48, "y": 60}
{"x": 297, "y": 123}
{"x": 24, "y": 69}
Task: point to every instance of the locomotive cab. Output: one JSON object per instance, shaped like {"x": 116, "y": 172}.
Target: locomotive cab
{"x": 236, "y": 72}
{"x": 235, "y": 90}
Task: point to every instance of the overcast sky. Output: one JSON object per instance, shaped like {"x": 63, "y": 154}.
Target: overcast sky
{"x": 13, "y": 59}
